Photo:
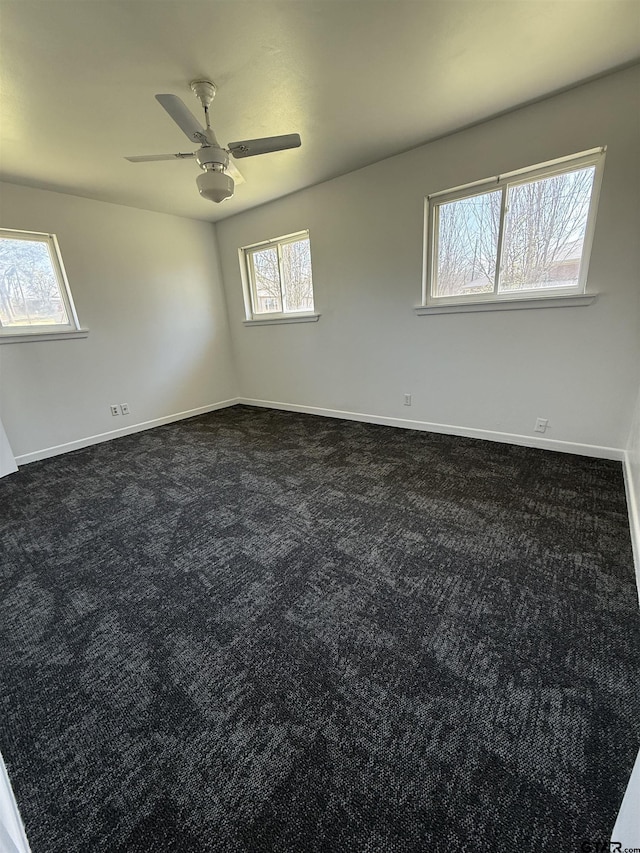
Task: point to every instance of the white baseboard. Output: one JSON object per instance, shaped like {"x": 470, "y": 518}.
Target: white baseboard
{"x": 626, "y": 832}
{"x": 634, "y": 516}
{"x": 13, "y": 838}
{"x": 117, "y": 433}
{"x": 403, "y": 423}
{"x": 447, "y": 429}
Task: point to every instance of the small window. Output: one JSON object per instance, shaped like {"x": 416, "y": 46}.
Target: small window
{"x": 524, "y": 235}
{"x": 277, "y": 277}
{"x": 34, "y": 292}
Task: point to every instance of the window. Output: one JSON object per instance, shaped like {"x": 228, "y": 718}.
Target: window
{"x": 277, "y": 278}
{"x": 35, "y": 299}
{"x": 524, "y": 235}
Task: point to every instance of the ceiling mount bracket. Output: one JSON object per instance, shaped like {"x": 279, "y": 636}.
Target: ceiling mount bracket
{"x": 205, "y": 91}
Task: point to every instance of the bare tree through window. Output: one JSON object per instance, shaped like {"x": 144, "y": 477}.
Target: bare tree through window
{"x": 467, "y": 244}
{"x": 296, "y": 274}
{"x": 545, "y": 229}
{"x": 534, "y": 229}
{"x": 266, "y": 278}
{"x": 29, "y": 289}
{"x": 280, "y": 277}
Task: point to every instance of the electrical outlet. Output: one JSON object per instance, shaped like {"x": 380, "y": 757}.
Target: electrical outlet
{"x": 124, "y": 408}
{"x": 541, "y": 424}
{"x": 407, "y": 399}
{"x": 115, "y": 410}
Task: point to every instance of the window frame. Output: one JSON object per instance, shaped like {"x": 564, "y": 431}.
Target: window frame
{"x": 45, "y": 331}
{"x": 522, "y": 298}
{"x": 253, "y": 317}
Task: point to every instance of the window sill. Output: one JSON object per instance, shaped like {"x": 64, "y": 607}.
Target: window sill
{"x": 290, "y": 318}
{"x": 21, "y": 338}
{"x": 574, "y": 301}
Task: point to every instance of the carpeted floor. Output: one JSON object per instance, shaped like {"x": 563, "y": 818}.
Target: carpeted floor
{"x": 265, "y": 631}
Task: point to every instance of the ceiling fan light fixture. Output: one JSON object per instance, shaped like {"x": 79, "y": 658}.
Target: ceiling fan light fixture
{"x": 215, "y": 186}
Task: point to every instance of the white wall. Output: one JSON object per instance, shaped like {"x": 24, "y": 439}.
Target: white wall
{"x": 578, "y": 367}
{"x": 148, "y": 288}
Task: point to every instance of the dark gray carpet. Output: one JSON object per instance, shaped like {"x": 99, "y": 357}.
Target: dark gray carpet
{"x": 264, "y": 631}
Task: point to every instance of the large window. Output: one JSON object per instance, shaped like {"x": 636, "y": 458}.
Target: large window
{"x": 34, "y": 292}
{"x": 277, "y": 275}
{"x": 524, "y": 235}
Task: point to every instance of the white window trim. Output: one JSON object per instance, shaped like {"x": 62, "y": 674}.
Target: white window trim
{"x": 546, "y": 298}
{"x": 270, "y": 318}
{"x": 44, "y": 332}
{"x": 571, "y": 301}
{"x": 29, "y": 337}
{"x": 274, "y": 320}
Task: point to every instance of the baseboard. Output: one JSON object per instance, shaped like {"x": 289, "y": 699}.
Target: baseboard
{"x": 118, "y": 433}
{"x": 626, "y": 832}
{"x": 402, "y": 423}
{"x": 447, "y": 429}
{"x": 13, "y": 838}
{"x": 634, "y": 515}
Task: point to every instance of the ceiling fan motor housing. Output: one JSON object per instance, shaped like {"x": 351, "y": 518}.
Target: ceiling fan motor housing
{"x": 212, "y": 156}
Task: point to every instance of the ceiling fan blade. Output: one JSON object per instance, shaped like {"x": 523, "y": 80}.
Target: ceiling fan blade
{"x": 252, "y": 147}
{"x": 232, "y": 169}
{"x": 148, "y": 158}
{"x": 183, "y": 117}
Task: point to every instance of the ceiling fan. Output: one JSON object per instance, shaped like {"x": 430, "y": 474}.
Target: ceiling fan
{"x": 217, "y": 179}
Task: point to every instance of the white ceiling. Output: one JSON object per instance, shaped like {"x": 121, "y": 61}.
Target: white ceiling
{"x": 360, "y": 80}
